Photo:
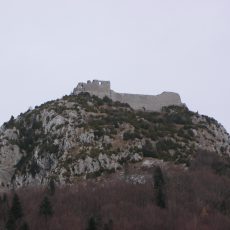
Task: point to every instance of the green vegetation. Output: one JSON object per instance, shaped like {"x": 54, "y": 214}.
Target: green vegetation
{"x": 15, "y": 214}
{"x": 51, "y": 187}
{"x": 170, "y": 198}
{"x": 46, "y": 209}
{"x": 16, "y": 209}
{"x": 159, "y": 187}
{"x": 10, "y": 124}
{"x": 131, "y": 135}
{"x": 166, "y": 144}
{"x": 92, "y": 224}
{"x": 148, "y": 149}
{"x": 167, "y": 135}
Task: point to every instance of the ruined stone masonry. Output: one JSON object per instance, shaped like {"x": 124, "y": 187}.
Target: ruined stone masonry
{"x": 136, "y": 101}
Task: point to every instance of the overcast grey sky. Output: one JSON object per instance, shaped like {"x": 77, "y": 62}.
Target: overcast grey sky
{"x": 141, "y": 46}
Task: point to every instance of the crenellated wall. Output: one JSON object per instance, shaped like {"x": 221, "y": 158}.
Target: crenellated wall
{"x": 136, "y": 101}
{"x": 98, "y": 88}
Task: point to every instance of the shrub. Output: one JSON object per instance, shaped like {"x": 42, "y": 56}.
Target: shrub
{"x": 148, "y": 150}
{"x": 10, "y": 124}
{"x": 164, "y": 145}
{"x": 131, "y": 135}
{"x": 107, "y": 100}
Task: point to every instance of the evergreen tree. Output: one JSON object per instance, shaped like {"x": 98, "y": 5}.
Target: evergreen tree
{"x": 92, "y": 224}
{"x": 16, "y": 209}
{"x": 158, "y": 178}
{"x": 10, "y": 123}
{"x": 11, "y": 223}
{"x": 159, "y": 187}
{"x": 5, "y": 206}
{"x": 5, "y": 198}
{"x": 24, "y": 226}
{"x": 108, "y": 226}
{"x": 51, "y": 187}
{"x": 46, "y": 208}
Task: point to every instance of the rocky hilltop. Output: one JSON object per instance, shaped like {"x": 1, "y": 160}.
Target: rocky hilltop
{"x": 81, "y": 136}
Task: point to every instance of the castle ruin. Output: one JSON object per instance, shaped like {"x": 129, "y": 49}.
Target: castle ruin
{"x": 136, "y": 101}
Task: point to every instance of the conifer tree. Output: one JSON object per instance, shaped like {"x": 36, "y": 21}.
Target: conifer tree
{"x": 159, "y": 187}
{"x": 5, "y": 198}
{"x": 46, "y": 208}
{"x": 16, "y": 209}
{"x": 51, "y": 187}
{"x": 5, "y": 206}
{"x": 92, "y": 224}
{"x": 108, "y": 226}
{"x": 11, "y": 223}
{"x": 24, "y": 226}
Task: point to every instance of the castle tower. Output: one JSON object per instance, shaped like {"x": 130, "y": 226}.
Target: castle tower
{"x": 96, "y": 87}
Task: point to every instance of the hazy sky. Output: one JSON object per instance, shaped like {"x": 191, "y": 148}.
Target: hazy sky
{"x": 141, "y": 46}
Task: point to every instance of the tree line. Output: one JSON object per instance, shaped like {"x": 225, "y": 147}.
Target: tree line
{"x": 172, "y": 198}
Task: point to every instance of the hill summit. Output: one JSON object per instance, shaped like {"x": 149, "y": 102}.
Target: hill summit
{"x": 83, "y": 135}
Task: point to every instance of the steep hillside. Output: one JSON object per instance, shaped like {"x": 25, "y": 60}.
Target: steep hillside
{"x": 84, "y": 136}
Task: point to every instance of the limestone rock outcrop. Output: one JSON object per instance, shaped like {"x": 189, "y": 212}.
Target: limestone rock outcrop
{"x": 82, "y": 135}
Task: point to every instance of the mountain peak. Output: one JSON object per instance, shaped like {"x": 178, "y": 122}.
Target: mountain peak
{"x": 82, "y": 135}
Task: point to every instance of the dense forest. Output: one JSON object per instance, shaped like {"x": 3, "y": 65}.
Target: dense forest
{"x": 173, "y": 198}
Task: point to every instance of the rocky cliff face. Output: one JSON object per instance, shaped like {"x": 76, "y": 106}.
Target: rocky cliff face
{"x": 82, "y": 136}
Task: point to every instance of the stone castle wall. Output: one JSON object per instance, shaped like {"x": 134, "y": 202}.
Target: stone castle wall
{"x": 97, "y": 88}
{"x": 136, "y": 101}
